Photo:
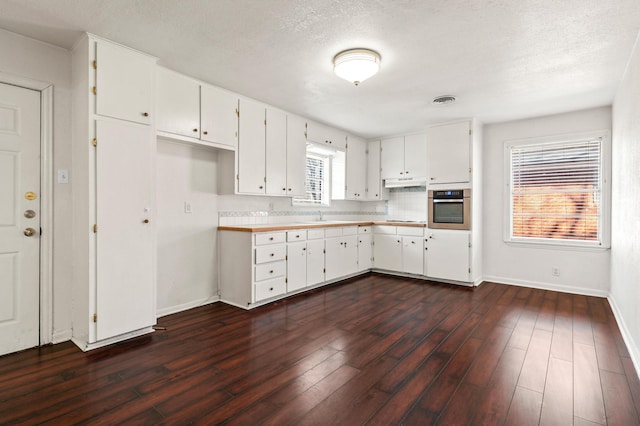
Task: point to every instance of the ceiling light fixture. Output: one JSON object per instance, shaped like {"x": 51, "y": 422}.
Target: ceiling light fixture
{"x": 356, "y": 65}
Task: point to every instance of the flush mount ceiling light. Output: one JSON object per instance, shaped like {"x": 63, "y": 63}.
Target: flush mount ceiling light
{"x": 444, "y": 100}
{"x": 356, "y": 65}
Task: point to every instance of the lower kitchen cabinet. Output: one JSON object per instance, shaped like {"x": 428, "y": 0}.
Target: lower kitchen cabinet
{"x": 412, "y": 257}
{"x": 315, "y": 261}
{"x": 341, "y": 257}
{"x": 365, "y": 251}
{"x": 387, "y": 252}
{"x": 447, "y": 255}
{"x": 296, "y": 266}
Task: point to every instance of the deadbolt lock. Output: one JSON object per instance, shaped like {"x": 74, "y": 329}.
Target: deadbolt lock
{"x": 29, "y": 214}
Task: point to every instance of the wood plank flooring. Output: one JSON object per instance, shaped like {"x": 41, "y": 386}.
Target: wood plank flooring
{"x": 374, "y": 350}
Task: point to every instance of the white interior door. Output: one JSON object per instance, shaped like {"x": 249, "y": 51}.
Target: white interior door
{"x": 19, "y": 218}
{"x": 125, "y": 297}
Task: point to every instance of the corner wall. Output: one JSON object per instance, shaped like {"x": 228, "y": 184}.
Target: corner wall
{"x": 625, "y": 232}
{"x": 584, "y": 272}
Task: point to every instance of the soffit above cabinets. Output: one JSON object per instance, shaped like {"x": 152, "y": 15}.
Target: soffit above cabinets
{"x": 503, "y": 59}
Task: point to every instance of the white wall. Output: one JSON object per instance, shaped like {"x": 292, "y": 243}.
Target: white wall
{"x": 625, "y": 233}
{"x": 584, "y": 272}
{"x": 187, "y": 255}
{"x": 34, "y": 60}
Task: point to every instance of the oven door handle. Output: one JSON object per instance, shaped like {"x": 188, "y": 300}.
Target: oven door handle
{"x": 449, "y": 201}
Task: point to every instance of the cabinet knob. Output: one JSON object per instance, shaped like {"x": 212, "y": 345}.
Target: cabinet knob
{"x": 270, "y": 288}
{"x": 260, "y": 187}
{"x": 284, "y": 189}
{"x": 304, "y": 248}
{"x": 195, "y": 130}
{"x": 401, "y": 173}
{"x": 272, "y": 254}
{"x": 432, "y": 178}
{"x": 205, "y": 133}
{"x": 413, "y": 242}
{"x": 406, "y": 173}
{"x": 289, "y": 189}
{"x": 146, "y": 221}
{"x": 146, "y": 114}
{"x": 271, "y": 271}
{"x": 270, "y": 238}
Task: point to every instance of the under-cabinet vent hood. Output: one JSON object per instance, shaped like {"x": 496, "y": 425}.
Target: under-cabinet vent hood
{"x": 405, "y": 182}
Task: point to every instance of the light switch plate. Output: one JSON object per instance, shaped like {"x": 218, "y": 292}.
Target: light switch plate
{"x": 187, "y": 207}
{"x": 63, "y": 176}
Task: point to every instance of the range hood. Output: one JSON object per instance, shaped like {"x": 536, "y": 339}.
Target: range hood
{"x": 405, "y": 182}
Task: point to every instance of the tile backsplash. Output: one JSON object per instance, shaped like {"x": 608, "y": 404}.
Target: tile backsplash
{"x": 408, "y": 203}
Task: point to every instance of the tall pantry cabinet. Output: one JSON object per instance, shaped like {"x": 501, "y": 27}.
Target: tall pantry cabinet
{"x": 114, "y": 146}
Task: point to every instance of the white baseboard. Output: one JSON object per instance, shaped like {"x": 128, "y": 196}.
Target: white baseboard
{"x": 185, "y": 306}
{"x": 61, "y": 336}
{"x": 547, "y": 286}
{"x": 632, "y": 346}
{"x": 85, "y": 346}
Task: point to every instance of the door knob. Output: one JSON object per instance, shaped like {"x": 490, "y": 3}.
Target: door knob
{"x": 29, "y": 232}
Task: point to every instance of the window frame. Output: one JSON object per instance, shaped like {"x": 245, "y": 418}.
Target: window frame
{"x": 604, "y": 223}
{"x": 326, "y": 195}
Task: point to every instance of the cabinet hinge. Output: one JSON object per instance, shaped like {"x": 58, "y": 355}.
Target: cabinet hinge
{"x": 469, "y": 131}
{"x": 346, "y": 146}
{"x": 95, "y": 229}
{"x": 469, "y": 270}
{"x": 95, "y": 317}
{"x": 265, "y": 179}
{"x": 324, "y": 251}
{"x": 265, "y": 122}
{"x": 237, "y": 177}
{"x": 286, "y": 257}
{"x": 324, "y": 270}
{"x": 94, "y": 90}
{"x": 469, "y": 245}
{"x": 95, "y": 65}
{"x": 469, "y": 169}
{"x": 94, "y": 142}
{"x": 286, "y": 280}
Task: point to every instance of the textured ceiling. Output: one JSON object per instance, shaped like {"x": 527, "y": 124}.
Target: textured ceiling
{"x": 502, "y": 59}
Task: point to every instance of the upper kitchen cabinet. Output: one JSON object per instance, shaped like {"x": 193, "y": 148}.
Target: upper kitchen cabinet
{"x": 375, "y": 190}
{"x": 178, "y": 104}
{"x": 296, "y": 155}
{"x": 449, "y": 153}
{"x": 404, "y": 157}
{"x": 276, "y": 152}
{"x": 356, "y": 168}
{"x": 123, "y": 87}
{"x": 319, "y": 133}
{"x": 187, "y": 108}
{"x": 251, "y": 154}
{"x": 218, "y": 116}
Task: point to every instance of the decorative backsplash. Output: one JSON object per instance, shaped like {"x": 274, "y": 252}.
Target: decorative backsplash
{"x": 229, "y": 218}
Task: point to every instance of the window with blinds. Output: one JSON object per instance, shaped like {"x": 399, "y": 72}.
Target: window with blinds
{"x": 556, "y": 191}
{"x": 317, "y": 174}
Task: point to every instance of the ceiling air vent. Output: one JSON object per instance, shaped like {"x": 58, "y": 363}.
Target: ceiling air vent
{"x": 444, "y": 100}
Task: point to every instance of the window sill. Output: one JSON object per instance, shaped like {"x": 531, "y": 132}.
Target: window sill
{"x": 557, "y": 246}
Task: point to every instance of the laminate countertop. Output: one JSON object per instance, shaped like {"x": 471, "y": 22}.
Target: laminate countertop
{"x": 308, "y": 225}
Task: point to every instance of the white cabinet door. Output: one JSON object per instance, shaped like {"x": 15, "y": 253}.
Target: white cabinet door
{"x": 296, "y": 266}
{"x": 296, "y": 155}
{"x": 374, "y": 182}
{"x": 337, "y": 138}
{"x": 125, "y": 234}
{"x": 319, "y": 133}
{"x": 341, "y": 257}
{"x": 365, "y": 252}
{"x": 219, "y": 116}
{"x": 124, "y": 83}
{"x": 251, "y": 148}
{"x": 356, "y": 168}
{"x": 315, "y": 262}
{"x": 276, "y": 152}
{"x": 178, "y": 104}
{"x": 448, "y": 255}
{"x": 387, "y": 252}
{"x": 415, "y": 156}
{"x": 392, "y": 158}
{"x": 449, "y": 153}
{"x": 412, "y": 257}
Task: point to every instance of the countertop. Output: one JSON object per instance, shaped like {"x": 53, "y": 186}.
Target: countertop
{"x": 308, "y": 225}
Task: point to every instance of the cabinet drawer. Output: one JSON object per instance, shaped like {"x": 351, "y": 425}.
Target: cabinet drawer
{"x": 411, "y": 231}
{"x": 270, "y": 238}
{"x": 350, "y": 230}
{"x": 315, "y": 234}
{"x": 364, "y": 229}
{"x": 270, "y": 288}
{"x": 297, "y": 235}
{"x": 384, "y": 229}
{"x": 333, "y": 232}
{"x": 270, "y": 253}
{"x": 270, "y": 270}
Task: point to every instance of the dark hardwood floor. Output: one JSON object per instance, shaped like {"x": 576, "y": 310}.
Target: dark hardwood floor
{"x": 376, "y": 349}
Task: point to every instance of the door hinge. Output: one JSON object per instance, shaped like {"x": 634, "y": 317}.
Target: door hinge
{"x": 94, "y": 90}
{"x": 95, "y": 317}
{"x": 94, "y": 142}
{"x": 95, "y": 65}
{"x": 95, "y": 229}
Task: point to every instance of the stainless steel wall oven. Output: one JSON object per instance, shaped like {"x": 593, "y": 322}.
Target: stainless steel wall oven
{"x": 450, "y": 209}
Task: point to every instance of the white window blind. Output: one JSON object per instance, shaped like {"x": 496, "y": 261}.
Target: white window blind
{"x": 316, "y": 181}
{"x": 556, "y": 191}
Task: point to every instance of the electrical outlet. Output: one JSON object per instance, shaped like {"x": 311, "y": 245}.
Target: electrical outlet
{"x": 555, "y": 271}
{"x": 187, "y": 207}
